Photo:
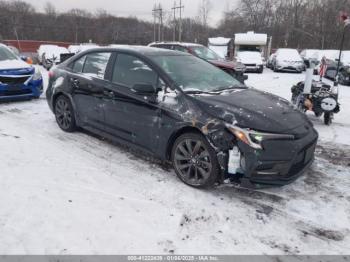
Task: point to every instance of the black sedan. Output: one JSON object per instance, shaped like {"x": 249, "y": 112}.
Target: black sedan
{"x": 184, "y": 110}
{"x": 343, "y": 74}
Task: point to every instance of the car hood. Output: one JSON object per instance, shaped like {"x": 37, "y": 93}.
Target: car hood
{"x": 13, "y": 64}
{"x": 256, "y": 110}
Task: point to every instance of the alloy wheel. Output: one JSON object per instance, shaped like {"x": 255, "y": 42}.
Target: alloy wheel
{"x": 63, "y": 114}
{"x": 192, "y": 161}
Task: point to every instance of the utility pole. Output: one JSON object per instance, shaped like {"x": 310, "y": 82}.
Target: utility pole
{"x": 158, "y": 13}
{"x": 180, "y": 25}
{"x": 154, "y": 22}
{"x": 161, "y": 34}
{"x": 180, "y": 7}
{"x": 174, "y": 9}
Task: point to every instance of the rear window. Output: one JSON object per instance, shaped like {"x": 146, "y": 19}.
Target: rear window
{"x": 78, "y": 65}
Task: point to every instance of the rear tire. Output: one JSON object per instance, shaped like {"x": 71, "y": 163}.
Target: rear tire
{"x": 64, "y": 113}
{"x": 328, "y": 117}
{"x": 195, "y": 161}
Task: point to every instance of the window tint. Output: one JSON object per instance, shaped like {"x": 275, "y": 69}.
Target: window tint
{"x": 194, "y": 74}
{"x": 78, "y": 65}
{"x": 130, "y": 70}
{"x": 96, "y": 64}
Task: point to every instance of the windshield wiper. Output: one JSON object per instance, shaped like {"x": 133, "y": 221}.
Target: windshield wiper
{"x": 197, "y": 92}
{"x": 221, "y": 89}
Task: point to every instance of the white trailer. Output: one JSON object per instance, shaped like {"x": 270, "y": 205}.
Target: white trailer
{"x": 222, "y": 46}
{"x": 251, "y": 41}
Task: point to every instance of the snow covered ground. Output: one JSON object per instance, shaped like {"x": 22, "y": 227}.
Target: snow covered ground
{"x": 76, "y": 194}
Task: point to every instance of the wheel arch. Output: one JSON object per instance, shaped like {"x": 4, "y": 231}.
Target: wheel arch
{"x": 57, "y": 95}
{"x": 176, "y": 134}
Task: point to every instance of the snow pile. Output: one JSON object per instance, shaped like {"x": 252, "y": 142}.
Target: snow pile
{"x": 72, "y": 193}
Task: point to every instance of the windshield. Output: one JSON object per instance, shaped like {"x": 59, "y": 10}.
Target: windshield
{"x": 205, "y": 53}
{"x": 6, "y": 54}
{"x": 193, "y": 74}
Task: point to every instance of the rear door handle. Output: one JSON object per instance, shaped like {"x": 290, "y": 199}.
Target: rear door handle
{"x": 74, "y": 81}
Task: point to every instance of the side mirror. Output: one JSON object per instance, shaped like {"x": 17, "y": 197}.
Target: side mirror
{"x": 24, "y": 58}
{"x": 144, "y": 89}
{"x": 245, "y": 77}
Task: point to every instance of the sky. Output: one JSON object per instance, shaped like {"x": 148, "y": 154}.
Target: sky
{"x": 139, "y": 8}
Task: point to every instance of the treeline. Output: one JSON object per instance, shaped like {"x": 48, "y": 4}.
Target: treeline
{"x": 22, "y": 20}
{"x": 291, "y": 23}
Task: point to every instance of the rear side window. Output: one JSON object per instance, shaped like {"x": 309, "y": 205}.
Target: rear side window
{"x": 96, "y": 64}
{"x": 78, "y": 65}
{"x": 163, "y": 46}
{"x": 130, "y": 70}
{"x": 180, "y": 48}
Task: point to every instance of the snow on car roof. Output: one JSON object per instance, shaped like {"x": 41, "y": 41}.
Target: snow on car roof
{"x": 250, "y": 38}
{"x": 175, "y": 43}
{"x": 288, "y": 53}
{"x": 219, "y": 41}
{"x": 309, "y": 53}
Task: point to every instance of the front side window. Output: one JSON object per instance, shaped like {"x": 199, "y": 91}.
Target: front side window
{"x": 96, "y": 64}
{"x": 193, "y": 74}
{"x": 130, "y": 70}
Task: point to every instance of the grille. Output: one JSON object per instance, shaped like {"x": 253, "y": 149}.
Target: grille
{"x": 303, "y": 158}
{"x": 13, "y": 80}
{"x": 250, "y": 64}
{"x": 15, "y": 92}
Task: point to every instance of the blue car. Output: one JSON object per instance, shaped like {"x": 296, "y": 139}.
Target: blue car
{"x": 18, "y": 80}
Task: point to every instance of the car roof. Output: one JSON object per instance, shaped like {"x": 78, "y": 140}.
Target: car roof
{"x": 175, "y": 43}
{"x": 143, "y": 50}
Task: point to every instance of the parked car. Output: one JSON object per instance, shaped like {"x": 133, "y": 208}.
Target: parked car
{"x": 343, "y": 74}
{"x": 269, "y": 63}
{"x": 18, "y": 79}
{"x": 288, "y": 60}
{"x": 74, "y": 49}
{"x": 236, "y": 69}
{"x": 252, "y": 60}
{"x": 307, "y": 55}
{"x": 184, "y": 110}
{"x": 50, "y": 55}
{"x": 329, "y": 55}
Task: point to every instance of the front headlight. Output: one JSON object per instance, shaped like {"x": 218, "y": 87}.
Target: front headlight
{"x": 255, "y": 138}
{"x": 37, "y": 75}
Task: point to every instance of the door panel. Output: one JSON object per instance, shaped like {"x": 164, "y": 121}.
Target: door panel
{"x": 87, "y": 83}
{"x": 130, "y": 116}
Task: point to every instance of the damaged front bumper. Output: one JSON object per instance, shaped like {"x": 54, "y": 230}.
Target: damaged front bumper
{"x": 278, "y": 163}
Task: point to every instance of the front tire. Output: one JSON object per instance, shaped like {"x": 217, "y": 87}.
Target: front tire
{"x": 195, "y": 161}
{"x": 64, "y": 113}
